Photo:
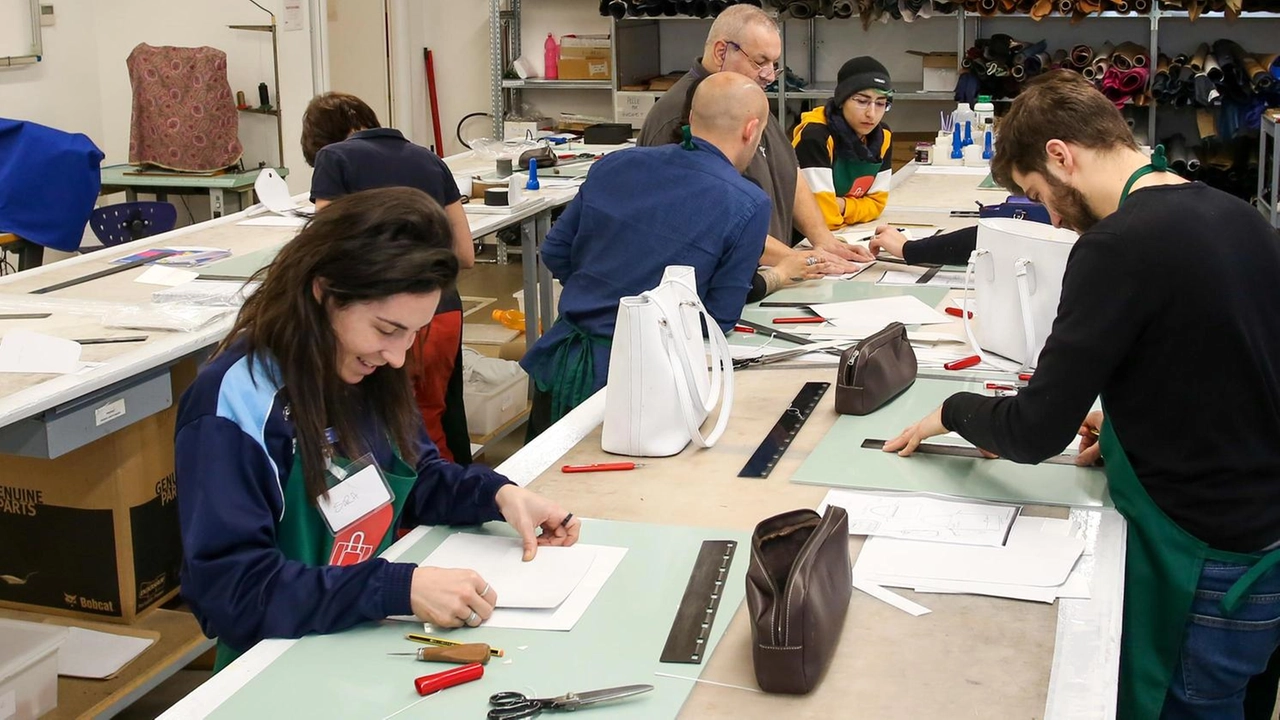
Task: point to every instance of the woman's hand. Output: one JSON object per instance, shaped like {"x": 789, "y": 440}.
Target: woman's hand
{"x": 525, "y": 511}
{"x": 448, "y": 597}
{"x": 801, "y": 265}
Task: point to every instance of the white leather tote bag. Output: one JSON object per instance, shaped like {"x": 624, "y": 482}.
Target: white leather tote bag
{"x": 660, "y": 390}
{"x": 1016, "y": 275}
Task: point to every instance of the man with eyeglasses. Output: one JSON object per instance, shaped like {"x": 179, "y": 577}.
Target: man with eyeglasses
{"x": 844, "y": 148}
{"x": 745, "y": 40}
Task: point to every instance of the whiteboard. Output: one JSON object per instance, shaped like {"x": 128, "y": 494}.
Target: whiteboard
{"x": 16, "y": 31}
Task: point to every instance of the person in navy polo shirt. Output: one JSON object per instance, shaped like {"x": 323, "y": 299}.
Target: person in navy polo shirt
{"x": 350, "y": 151}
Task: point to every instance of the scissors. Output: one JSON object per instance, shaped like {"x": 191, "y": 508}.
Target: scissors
{"x": 514, "y": 705}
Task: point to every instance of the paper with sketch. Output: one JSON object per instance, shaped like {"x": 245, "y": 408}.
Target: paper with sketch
{"x": 564, "y": 617}
{"x": 543, "y": 582}
{"x": 954, "y": 279}
{"x": 98, "y": 655}
{"x": 24, "y": 351}
{"x": 1036, "y": 554}
{"x": 861, "y": 318}
{"x": 921, "y": 516}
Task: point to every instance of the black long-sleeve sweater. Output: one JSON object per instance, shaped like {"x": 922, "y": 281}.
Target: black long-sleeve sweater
{"x": 1170, "y": 310}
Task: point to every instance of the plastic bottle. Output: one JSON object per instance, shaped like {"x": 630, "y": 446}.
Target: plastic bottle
{"x": 968, "y": 133}
{"x": 533, "y": 183}
{"x": 985, "y": 112}
{"x": 511, "y": 319}
{"x": 960, "y": 116}
{"x": 987, "y": 150}
{"x": 551, "y": 57}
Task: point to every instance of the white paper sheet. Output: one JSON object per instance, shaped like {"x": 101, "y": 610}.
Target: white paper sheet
{"x": 167, "y": 276}
{"x": 98, "y": 655}
{"x": 954, "y": 438}
{"x": 943, "y": 278}
{"x": 884, "y": 595}
{"x": 273, "y": 191}
{"x": 562, "y": 618}
{"x": 24, "y": 351}
{"x": 542, "y": 583}
{"x": 861, "y": 318}
{"x": 925, "y": 517}
{"x": 294, "y": 221}
{"x": 1031, "y": 556}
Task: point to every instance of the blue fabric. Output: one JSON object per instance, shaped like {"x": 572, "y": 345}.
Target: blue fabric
{"x": 639, "y": 211}
{"x": 49, "y": 181}
{"x": 1220, "y": 654}
{"x": 234, "y": 453}
{"x": 378, "y": 158}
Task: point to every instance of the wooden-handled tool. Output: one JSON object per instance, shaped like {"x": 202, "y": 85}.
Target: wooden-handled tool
{"x": 459, "y": 655}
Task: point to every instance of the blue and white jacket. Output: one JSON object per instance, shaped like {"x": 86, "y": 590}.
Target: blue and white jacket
{"x": 234, "y": 450}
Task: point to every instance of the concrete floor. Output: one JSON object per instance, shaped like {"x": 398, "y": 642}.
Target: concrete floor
{"x": 485, "y": 280}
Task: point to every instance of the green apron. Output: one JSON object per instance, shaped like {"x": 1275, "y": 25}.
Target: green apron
{"x": 303, "y": 536}
{"x": 1162, "y": 570}
{"x": 573, "y": 370}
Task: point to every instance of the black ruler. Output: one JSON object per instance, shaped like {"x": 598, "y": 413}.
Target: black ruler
{"x": 963, "y": 451}
{"x": 784, "y": 431}
{"x": 687, "y": 640}
{"x": 101, "y": 273}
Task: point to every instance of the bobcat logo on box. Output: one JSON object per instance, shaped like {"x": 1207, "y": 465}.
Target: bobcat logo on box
{"x": 152, "y": 589}
{"x": 70, "y": 599}
{"x": 84, "y": 603}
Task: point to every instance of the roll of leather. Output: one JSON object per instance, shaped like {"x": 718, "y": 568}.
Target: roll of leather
{"x": 1256, "y": 74}
{"x": 1133, "y": 81}
{"x": 1212, "y": 69}
{"x": 1066, "y": 6}
{"x": 1176, "y": 149}
{"x": 1059, "y": 58}
{"x": 1121, "y": 7}
{"x": 1089, "y": 72}
{"x": 844, "y": 8}
{"x": 802, "y": 9}
{"x": 1081, "y": 55}
{"x": 1129, "y": 55}
{"x": 1042, "y": 9}
{"x": 1019, "y": 72}
{"x": 1142, "y": 6}
{"x": 1197, "y": 59}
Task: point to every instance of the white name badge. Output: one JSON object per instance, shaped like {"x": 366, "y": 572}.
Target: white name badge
{"x": 355, "y": 496}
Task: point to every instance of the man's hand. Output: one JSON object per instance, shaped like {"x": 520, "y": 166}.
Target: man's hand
{"x": 842, "y": 251}
{"x": 910, "y": 439}
{"x": 887, "y": 239}
{"x": 1090, "y": 449}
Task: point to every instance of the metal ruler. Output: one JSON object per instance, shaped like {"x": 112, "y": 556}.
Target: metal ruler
{"x": 691, "y": 630}
{"x": 784, "y": 431}
{"x": 963, "y": 451}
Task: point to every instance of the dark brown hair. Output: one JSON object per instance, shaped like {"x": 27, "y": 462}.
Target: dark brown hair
{"x": 363, "y": 247}
{"x": 1059, "y": 105}
{"x": 330, "y": 118}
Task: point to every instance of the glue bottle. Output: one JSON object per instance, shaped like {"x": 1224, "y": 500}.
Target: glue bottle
{"x": 551, "y": 58}
{"x": 985, "y": 113}
{"x": 960, "y": 116}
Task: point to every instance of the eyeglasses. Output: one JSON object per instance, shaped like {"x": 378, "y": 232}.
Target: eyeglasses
{"x": 862, "y": 102}
{"x": 765, "y": 71}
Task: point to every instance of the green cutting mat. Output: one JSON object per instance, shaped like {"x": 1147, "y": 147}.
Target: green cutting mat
{"x": 243, "y": 266}
{"x": 617, "y": 642}
{"x": 839, "y": 460}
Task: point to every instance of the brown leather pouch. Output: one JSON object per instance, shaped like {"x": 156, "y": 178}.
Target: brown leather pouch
{"x": 798, "y": 589}
{"x": 875, "y": 371}
{"x": 545, "y": 155}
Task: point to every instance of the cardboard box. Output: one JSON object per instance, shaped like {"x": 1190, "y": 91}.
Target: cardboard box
{"x": 939, "y": 70}
{"x": 633, "y": 108}
{"x": 665, "y": 83}
{"x": 586, "y": 57}
{"x": 94, "y": 533}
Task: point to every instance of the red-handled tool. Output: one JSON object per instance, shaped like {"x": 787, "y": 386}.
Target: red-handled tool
{"x": 956, "y": 312}
{"x": 1024, "y": 377}
{"x": 600, "y": 467}
{"x": 962, "y": 363}
{"x": 435, "y": 682}
{"x": 798, "y": 320}
{"x": 743, "y": 329}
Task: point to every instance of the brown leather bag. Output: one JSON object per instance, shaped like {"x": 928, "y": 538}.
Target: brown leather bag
{"x": 798, "y": 589}
{"x": 875, "y": 371}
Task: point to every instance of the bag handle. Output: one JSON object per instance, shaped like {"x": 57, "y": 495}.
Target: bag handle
{"x": 967, "y": 311}
{"x": 692, "y": 300}
{"x": 682, "y": 370}
{"x": 1023, "y": 269}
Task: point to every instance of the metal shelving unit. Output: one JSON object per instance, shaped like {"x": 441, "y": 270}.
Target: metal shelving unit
{"x": 275, "y": 66}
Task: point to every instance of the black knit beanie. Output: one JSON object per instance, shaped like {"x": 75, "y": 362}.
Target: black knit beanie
{"x": 861, "y": 73}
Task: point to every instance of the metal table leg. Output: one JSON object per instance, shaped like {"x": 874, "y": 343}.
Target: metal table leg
{"x": 546, "y": 286}
{"x": 529, "y": 264}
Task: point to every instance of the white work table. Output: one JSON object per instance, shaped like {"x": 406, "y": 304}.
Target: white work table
{"x": 973, "y": 657}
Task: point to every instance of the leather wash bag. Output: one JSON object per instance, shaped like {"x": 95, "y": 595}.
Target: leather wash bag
{"x": 875, "y": 371}
{"x": 545, "y": 155}
{"x": 798, "y": 589}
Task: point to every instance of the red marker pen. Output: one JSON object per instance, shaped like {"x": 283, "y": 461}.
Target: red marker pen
{"x": 1024, "y": 377}
{"x": 743, "y": 329}
{"x": 436, "y": 682}
{"x": 798, "y": 320}
{"x": 600, "y": 467}
{"x": 956, "y": 312}
{"x": 962, "y": 363}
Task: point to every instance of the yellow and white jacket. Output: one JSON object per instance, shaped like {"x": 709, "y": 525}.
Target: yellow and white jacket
{"x": 863, "y": 183}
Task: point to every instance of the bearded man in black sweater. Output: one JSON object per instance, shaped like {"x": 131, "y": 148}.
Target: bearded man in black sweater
{"x": 1170, "y": 311}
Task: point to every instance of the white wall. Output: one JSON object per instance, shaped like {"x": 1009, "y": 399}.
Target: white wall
{"x": 82, "y": 85}
{"x": 458, "y": 35}
{"x": 358, "y": 52}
